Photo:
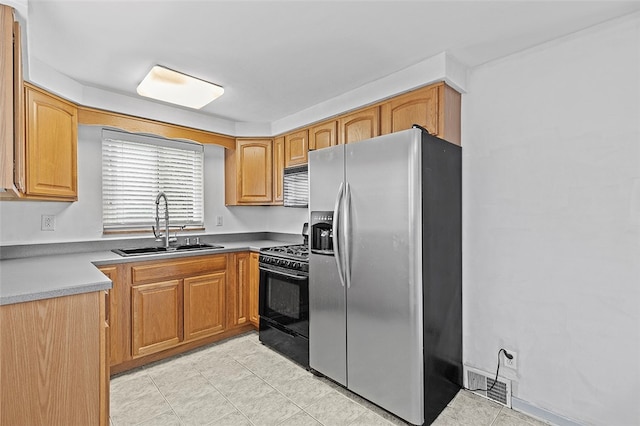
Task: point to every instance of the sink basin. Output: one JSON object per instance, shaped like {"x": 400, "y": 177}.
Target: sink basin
{"x": 156, "y": 250}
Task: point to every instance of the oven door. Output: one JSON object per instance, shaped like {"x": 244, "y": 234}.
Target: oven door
{"x": 284, "y": 299}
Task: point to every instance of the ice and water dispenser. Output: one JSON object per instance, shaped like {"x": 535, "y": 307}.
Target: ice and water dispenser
{"x": 322, "y": 232}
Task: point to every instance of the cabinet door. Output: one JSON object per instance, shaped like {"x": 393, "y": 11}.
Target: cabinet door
{"x": 323, "y": 135}
{"x": 418, "y": 107}
{"x": 6, "y": 96}
{"x": 254, "y": 289}
{"x": 359, "y": 125}
{"x": 296, "y": 148}
{"x": 112, "y": 273}
{"x": 254, "y": 165}
{"x": 204, "y": 313}
{"x": 51, "y": 145}
{"x": 157, "y": 317}
{"x": 105, "y": 337}
{"x": 239, "y": 295}
{"x": 50, "y": 370}
{"x": 278, "y": 170}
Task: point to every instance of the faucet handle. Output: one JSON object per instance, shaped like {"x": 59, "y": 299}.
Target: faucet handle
{"x": 155, "y": 233}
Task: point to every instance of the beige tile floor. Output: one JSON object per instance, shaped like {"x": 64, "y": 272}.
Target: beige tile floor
{"x": 241, "y": 382}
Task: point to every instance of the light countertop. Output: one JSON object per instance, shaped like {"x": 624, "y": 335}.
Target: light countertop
{"x": 46, "y": 276}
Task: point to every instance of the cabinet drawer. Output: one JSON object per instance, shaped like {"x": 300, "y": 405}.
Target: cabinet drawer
{"x": 164, "y": 270}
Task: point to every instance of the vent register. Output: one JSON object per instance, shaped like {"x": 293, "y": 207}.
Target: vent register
{"x": 501, "y": 391}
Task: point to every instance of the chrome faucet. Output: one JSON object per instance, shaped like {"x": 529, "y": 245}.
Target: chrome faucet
{"x": 159, "y": 237}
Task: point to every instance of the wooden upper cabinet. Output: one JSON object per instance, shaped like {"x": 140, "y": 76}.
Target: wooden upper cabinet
{"x": 6, "y": 96}
{"x": 278, "y": 170}
{"x": 435, "y": 107}
{"x": 359, "y": 125}
{"x": 296, "y": 148}
{"x": 323, "y": 135}
{"x": 12, "y": 131}
{"x": 251, "y": 172}
{"x": 51, "y": 145}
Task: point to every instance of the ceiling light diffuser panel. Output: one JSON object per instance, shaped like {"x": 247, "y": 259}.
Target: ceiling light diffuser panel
{"x": 177, "y": 88}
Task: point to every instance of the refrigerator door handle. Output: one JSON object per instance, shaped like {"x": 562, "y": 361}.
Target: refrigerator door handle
{"x": 336, "y": 233}
{"x": 347, "y": 235}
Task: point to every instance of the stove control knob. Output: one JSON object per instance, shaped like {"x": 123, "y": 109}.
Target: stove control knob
{"x": 295, "y": 265}
{"x": 286, "y": 263}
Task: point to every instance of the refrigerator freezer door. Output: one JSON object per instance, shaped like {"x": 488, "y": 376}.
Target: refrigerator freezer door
{"x": 384, "y": 300}
{"x": 327, "y": 297}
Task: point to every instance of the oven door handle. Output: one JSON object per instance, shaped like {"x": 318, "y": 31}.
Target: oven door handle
{"x": 336, "y": 227}
{"x": 297, "y": 277}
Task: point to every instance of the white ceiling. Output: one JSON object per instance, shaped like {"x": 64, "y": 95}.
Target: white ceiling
{"x": 275, "y": 58}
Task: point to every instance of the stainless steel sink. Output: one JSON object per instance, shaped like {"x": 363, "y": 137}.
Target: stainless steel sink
{"x": 156, "y": 250}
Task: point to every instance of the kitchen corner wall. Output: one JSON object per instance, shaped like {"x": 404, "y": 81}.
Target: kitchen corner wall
{"x": 82, "y": 220}
{"x": 551, "y": 178}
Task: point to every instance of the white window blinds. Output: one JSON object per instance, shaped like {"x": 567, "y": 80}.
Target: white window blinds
{"x": 136, "y": 167}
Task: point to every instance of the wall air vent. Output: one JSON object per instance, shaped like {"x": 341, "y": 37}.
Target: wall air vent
{"x": 476, "y": 379}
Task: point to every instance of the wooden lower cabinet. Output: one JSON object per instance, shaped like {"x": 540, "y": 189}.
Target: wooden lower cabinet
{"x": 254, "y": 289}
{"x": 161, "y": 308}
{"x": 53, "y": 361}
{"x": 156, "y": 316}
{"x": 119, "y": 308}
{"x": 105, "y": 339}
{"x": 204, "y": 305}
{"x": 238, "y": 300}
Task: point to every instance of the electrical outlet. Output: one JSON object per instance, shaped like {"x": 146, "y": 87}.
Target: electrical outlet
{"x": 48, "y": 222}
{"x": 513, "y": 362}
{"x": 218, "y": 220}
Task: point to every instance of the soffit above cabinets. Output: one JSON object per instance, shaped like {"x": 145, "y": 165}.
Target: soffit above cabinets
{"x": 276, "y": 59}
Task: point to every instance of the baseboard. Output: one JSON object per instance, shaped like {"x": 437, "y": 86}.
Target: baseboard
{"x": 540, "y": 413}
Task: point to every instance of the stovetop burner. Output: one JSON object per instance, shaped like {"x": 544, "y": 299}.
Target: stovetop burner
{"x": 286, "y": 258}
{"x": 297, "y": 251}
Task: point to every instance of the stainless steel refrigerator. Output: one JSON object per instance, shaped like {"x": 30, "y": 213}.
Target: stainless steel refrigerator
{"x": 385, "y": 297}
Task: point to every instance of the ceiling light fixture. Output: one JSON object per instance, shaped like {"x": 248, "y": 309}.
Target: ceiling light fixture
{"x": 177, "y": 88}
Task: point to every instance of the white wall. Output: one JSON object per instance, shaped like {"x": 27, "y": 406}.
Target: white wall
{"x": 82, "y": 220}
{"x": 551, "y": 200}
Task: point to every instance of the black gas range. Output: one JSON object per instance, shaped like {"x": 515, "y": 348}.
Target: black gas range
{"x": 284, "y": 300}
{"x": 291, "y": 259}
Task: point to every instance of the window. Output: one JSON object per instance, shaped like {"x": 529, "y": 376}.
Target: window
{"x": 135, "y": 168}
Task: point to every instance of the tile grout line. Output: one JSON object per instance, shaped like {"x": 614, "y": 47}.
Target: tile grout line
{"x": 165, "y": 399}
{"x": 367, "y": 410}
{"x": 224, "y": 396}
{"x": 302, "y": 409}
{"x": 272, "y": 387}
